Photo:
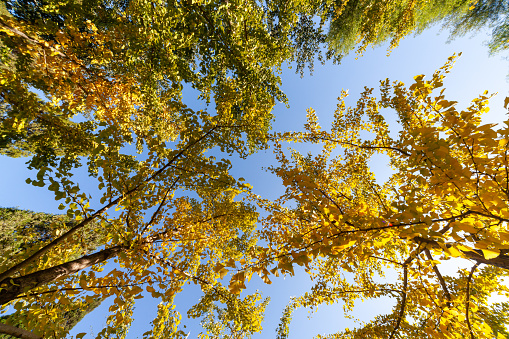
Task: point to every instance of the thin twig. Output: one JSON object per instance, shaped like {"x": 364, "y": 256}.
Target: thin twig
{"x": 403, "y": 302}
{"x": 467, "y": 300}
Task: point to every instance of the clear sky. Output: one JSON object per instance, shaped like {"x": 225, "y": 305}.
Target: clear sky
{"x": 473, "y": 73}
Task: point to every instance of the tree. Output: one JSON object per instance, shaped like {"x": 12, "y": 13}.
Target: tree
{"x": 356, "y": 25}
{"x": 195, "y": 43}
{"x": 359, "y": 24}
{"x": 101, "y": 84}
{"x": 485, "y": 13}
{"x": 447, "y": 198}
{"x": 22, "y": 231}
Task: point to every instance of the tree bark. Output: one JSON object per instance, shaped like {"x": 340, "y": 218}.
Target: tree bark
{"x": 17, "y": 332}
{"x": 502, "y": 261}
{"x": 5, "y": 275}
{"x": 11, "y": 288}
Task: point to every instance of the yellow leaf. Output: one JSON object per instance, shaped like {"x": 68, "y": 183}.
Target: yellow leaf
{"x": 490, "y": 254}
{"x": 222, "y": 273}
{"x": 218, "y": 267}
{"x": 136, "y": 290}
{"x": 503, "y": 236}
{"x": 454, "y": 252}
{"x": 231, "y": 263}
{"x": 467, "y": 227}
{"x": 266, "y": 280}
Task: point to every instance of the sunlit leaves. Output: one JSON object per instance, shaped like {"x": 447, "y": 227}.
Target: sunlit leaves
{"x": 447, "y": 197}
{"x": 167, "y": 209}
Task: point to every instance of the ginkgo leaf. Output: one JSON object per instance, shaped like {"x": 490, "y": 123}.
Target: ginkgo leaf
{"x": 231, "y": 263}
{"x": 218, "y": 267}
{"x": 266, "y": 279}
{"x": 490, "y": 254}
{"x": 223, "y": 272}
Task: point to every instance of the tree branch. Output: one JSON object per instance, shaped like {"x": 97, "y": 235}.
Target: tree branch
{"x": 467, "y": 301}
{"x": 502, "y": 261}
{"x": 403, "y": 302}
{"x": 440, "y": 278}
{"x": 14, "y": 287}
{"x": 73, "y": 230}
{"x": 18, "y": 332}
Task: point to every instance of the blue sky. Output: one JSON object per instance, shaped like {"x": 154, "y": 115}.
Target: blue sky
{"x": 473, "y": 73}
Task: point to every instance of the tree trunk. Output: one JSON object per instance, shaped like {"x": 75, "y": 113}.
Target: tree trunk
{"x": 17, "y": 332}
{"x": 11, "y": 288}
{"x": 502, "y": 261}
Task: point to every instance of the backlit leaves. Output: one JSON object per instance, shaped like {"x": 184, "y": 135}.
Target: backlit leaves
{"x": 447, "y": 197}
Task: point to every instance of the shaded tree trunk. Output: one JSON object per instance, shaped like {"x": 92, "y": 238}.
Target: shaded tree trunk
{"x": 11, "y": 288}
{"x": 17, "y": 332}
{"x": 502, "y": 261}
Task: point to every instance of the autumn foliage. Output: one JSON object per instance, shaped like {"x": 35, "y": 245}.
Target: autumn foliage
{"x": 98, "y": 87}
{"x": 361, "y": 239}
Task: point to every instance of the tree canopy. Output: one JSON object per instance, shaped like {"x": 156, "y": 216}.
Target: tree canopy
{"x": 97, "y": 87}
{"x": 347, "y": 25}
{"x": 362, "y": 239}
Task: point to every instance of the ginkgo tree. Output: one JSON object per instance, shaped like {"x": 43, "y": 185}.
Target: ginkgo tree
{"x": 361, "y": 239}
{"x": 98, "y": 85}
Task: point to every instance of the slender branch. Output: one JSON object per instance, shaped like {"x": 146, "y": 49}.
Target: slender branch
{"x": 403, "y": 302}
{"x": 86, "y": 221}
{"x": 163, "y": 262}
{"x": 163, "y": 235}
{"x": 467, "y": 301}
{"x": 86, "y": 288}
{"x": 364, "y": 291}
{"x": 163, "y": 201}
{"x": 425, "y": 289}
{"x": 407, "y": 262}
{"x": 440, "y": 278}
{"x": 364, "y": 147}
{"x": 385, "y": 259}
